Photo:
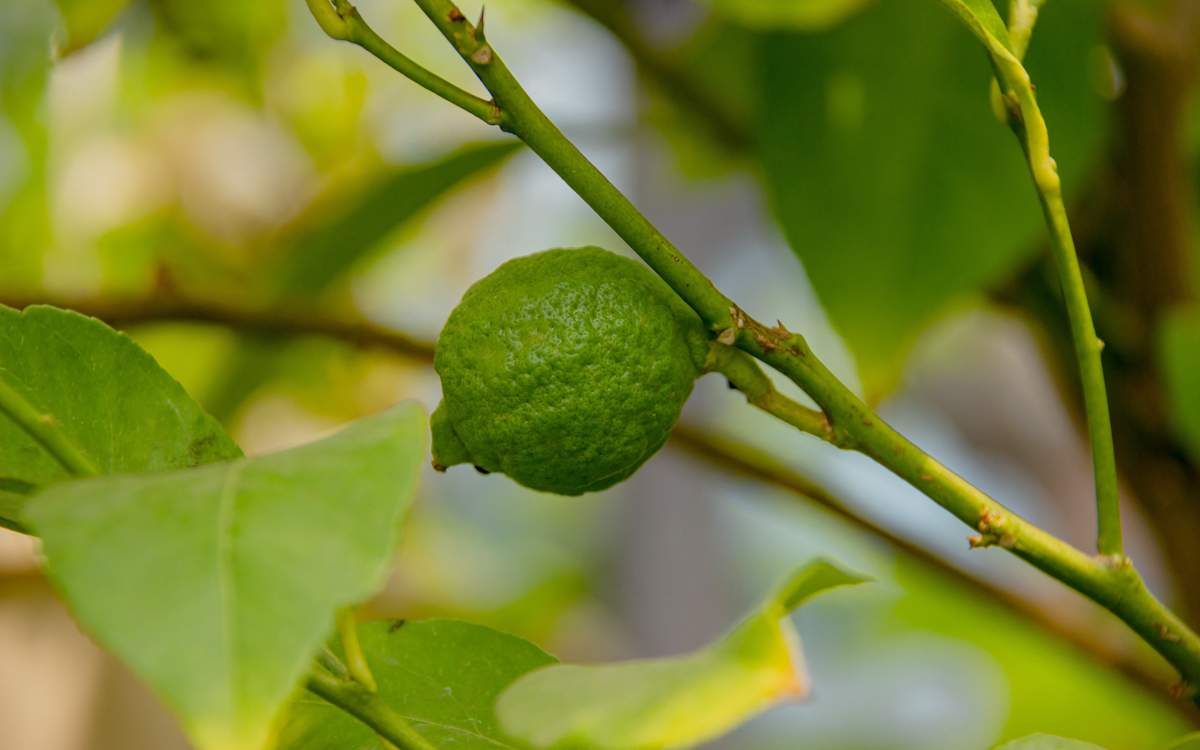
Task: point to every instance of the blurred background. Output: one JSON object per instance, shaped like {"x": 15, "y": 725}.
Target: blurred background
{"x": 284, "y": 223}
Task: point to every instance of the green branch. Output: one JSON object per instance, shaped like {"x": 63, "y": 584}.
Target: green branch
{"x": 1112, "y": 582}
{"x": 1027, "y": 122}
{"x": 368, "y": 708}
{"x": 45, "y": 429}
{"x": 340, "y": 20}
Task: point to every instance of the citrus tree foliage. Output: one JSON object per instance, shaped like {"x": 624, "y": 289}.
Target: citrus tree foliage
{"x": 228, "y": 583}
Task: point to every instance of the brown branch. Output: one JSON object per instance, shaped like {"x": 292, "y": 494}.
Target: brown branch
{"x": 292, "y": 320}
{"x": 731, "y": 456}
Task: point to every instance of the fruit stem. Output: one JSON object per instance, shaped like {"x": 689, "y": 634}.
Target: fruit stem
{"x": 743, "y": 373}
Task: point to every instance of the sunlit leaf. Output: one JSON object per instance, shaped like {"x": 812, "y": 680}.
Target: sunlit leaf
{"x": 1047, "y": 742}
{"x": 328, "y": 247}
{"x": 674, "y": 702}
{"x": 84, "y": 20}
{"x": 443, "y": 675}
{"x": 218, "y": 584}
{"x": 1179, "y": 358}
{"x": 893, "y": 181}
{"x": 775, "y": 14}
{"x": 103, "y": 394}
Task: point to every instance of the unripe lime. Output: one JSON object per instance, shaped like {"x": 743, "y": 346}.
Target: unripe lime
{"x": 565, "y": 370}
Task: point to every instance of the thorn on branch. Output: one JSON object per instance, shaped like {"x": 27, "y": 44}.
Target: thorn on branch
{"x": 992, "y": 532}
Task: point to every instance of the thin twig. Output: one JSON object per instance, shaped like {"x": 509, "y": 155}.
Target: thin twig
{"x": 339, "y": 19}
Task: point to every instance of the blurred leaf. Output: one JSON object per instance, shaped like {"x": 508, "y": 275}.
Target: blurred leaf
{"x": 326, "y": 249}
{"x": 218, "y": 584}
{"x": 893, "y": 181}
{"x": 443, "y": 675}
{"x": 1179, "y": 358}
{"x": 1190, "y": 742}
{"x": 25, "y": 27}
{"x": 674, "y": 702}
{"x": 84, "y": 20}
{"x": 104, "y": 394}
{"x": 777, "y": 14}
{"x": 1047, "y": 742}
{"x": 232, "y": 33}
{"x": 323, "y": 249}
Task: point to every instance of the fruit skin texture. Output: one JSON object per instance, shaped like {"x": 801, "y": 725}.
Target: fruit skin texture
{"x": 565, "y": 370}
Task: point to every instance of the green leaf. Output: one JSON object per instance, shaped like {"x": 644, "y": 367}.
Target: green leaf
{"x": 442, "y": 675}
{"x": 1047, "y": 742}
{"x": 218, "y": 584}
{"x": 330, "y": 246}
{"x": 85, "y": 20}
{"x": 96, "y": 392}
{"x": 675, "y": 702}
{"x": 774, "y": 14}
{"x": 1179, "y": 358}
{"x": 891, "y": 178}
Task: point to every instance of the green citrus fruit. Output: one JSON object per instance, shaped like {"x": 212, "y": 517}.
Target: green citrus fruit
{"x": 565, "y": 370}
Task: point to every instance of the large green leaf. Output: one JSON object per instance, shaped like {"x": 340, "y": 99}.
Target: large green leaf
{"x": 1047, "y": 742}
{"x": 329, "y": 246}
{"x": 891, "y": 177}
{"x": 1179, "y": 359}
{"x": 101, "y": 395}
{"x": 774, "y": 14}
{"x": 442, "y": 675}
{"x": 218, "y": 584}
{"x": 84, "y": 20}
{"x": 675, "y": 702}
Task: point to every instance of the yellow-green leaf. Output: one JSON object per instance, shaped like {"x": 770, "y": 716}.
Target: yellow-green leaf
{"x": 84, "y": 20}
{"x": 218, "y": 584}
{"x": 674, "y": 702}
